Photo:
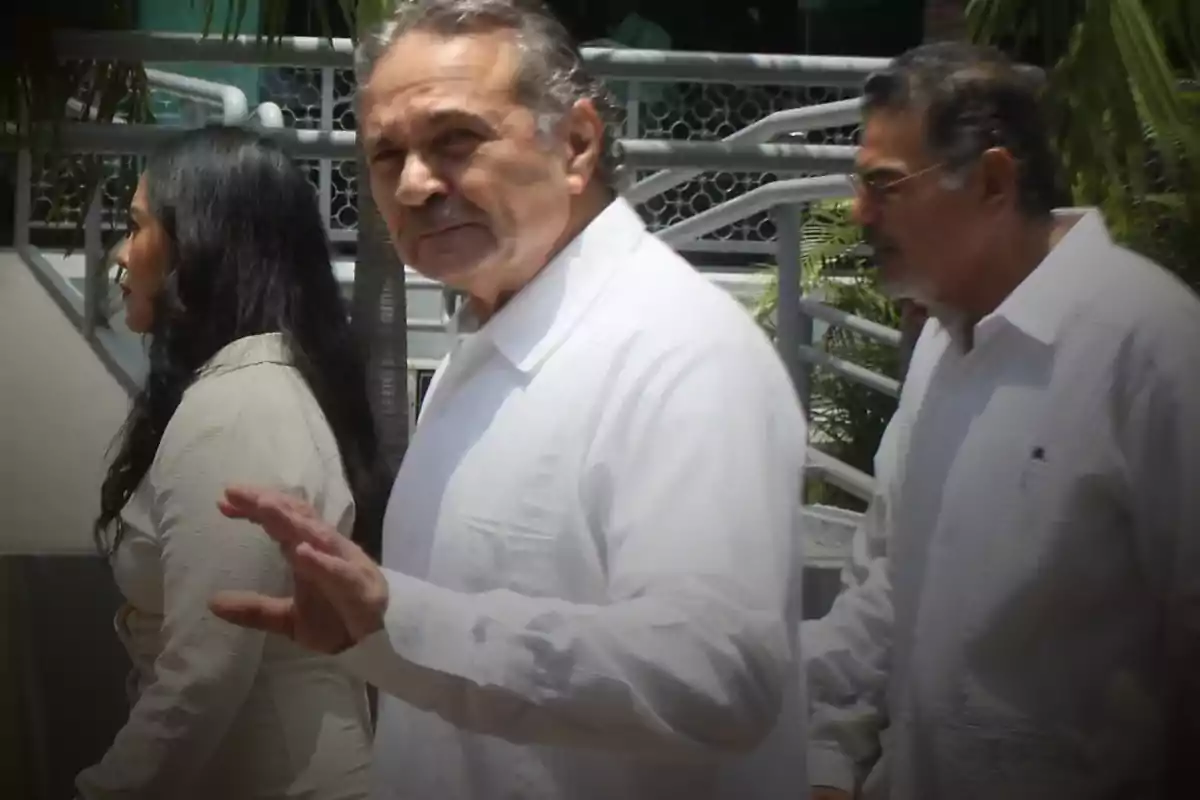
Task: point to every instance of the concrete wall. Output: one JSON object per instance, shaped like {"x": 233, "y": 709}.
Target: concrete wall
{"x": 61, "y": 666}
{"x": 59, "y": 410}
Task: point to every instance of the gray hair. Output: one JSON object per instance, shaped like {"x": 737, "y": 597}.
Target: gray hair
{"x": 551, "y": 78}
{"x": 972, "y": 99}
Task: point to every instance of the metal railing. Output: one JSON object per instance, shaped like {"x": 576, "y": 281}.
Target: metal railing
{"x": 198, "y": 94}
{"x": 751, "y": 149}
{"x": 697, "y": 96}
{"x": 615, "y": 63}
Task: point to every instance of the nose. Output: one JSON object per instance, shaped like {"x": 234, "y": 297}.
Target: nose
{"x": 418, "y": 182}
{"x": 121, "y": 257}
{"x": 862, "y": 211}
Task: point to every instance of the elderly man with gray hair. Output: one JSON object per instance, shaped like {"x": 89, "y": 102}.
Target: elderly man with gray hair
{"x": 589, "y": 586}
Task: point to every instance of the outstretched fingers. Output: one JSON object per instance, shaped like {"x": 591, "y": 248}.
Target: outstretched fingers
{"x": 286, "y": 519}
{"x": 256, "y": 611}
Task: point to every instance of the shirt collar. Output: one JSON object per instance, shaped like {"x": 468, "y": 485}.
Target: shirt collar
{"x": 1044, "y": 300}
{"x": 266, "y": 348}
{"x": 538, "y": 318}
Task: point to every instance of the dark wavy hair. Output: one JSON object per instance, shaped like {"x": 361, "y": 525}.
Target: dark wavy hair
{"x": 248, "y": 255}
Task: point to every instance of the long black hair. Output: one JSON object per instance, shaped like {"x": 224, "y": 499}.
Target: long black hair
{"x": 248, "y": 255}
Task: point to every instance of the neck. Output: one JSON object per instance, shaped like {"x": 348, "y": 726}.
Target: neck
{"x": 1007, "y": 267}
{"x": 485, "y": 303}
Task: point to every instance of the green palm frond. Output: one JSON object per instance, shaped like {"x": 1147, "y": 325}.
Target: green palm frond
{"x": 827, "y": 236}
{"x": 37, "y": 86}
{"x": 1127, "y": 132}
{"x": 847, "y": 419}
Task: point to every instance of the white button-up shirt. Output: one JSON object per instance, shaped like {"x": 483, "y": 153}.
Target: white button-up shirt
{"x": 1023, "y": 610}
{"x": 591, "y": 547}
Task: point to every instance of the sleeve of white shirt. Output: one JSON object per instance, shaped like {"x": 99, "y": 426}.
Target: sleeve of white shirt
{"x": 1161, "y": 444}
{"x": 694, "y": 484}
{"x": 207, "y": 666}
{"x": 846, "y": 652}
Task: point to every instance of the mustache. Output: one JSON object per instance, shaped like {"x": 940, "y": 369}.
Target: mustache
{"x": 439, "y": 213}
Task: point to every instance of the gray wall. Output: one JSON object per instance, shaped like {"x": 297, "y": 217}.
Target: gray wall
{"x": 59, "y": 409}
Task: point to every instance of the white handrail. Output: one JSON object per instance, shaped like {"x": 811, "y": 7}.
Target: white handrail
{"x": 791, "y": 120}
{"x": 269, "y": 115}
{"x": 232, "y": 100}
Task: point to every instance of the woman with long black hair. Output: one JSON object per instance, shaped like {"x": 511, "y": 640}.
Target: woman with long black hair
{"x": 254, "y": 378}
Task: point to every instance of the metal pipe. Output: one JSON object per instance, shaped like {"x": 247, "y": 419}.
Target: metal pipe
{"x": 234, "y": 107}
{"x": 269, "y": 115}
{"x": 787, "y": 310}
{"x": 23, "y": 205}
{"x": 764, "y": 197}
{"x": 93, "y": 274}
{"x": 745, "y": 68}
{"x": 835, "y": 316}
{"x": 164, "y": 47}
{"x": 737, "y": 157}
{"x": 426, "y": 325}
{"x": 841, "y": 474}
{"x": 616, "y": 63}
{"x": 325, "y": 167}
{"x": 791, "y": 120}
{"x": 81, "y": 137}
{"x": 855, "y": 373}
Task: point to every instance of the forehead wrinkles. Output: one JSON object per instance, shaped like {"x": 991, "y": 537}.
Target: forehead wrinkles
{"x": 893, "y": 139}
{"x": 427, "y": 97}
{"x": 394, "y": 95}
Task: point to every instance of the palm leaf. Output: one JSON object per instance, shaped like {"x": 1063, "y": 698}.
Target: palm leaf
{"x": 1123, "y": 126}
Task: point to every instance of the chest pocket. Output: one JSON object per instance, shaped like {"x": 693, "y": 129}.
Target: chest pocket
{"x": 510, "y": 518}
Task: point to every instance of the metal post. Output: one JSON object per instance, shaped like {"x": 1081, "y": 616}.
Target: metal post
{"x": 24, "y": 201}
{"x": 789, "y": 328}
{"x": 325, "y": 194}
{"x": 94, "y": 288}
{"x": 633, "y": 110}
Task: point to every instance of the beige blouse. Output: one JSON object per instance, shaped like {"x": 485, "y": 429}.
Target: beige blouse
{"x": 218, "y": 711}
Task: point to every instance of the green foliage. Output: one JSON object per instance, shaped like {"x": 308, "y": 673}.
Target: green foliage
{"x": 1127, "y": 132}
{"x": 847, "y": 419}
{"x": 36, "y": 85}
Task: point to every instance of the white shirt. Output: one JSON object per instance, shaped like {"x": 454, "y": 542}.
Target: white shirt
{"x": 591, "y": 549}
{"x": 219, "y": 711}
{"x": 1023, "y": 608}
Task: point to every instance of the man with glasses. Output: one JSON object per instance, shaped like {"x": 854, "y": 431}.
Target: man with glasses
{"x": 1021, "y": 615}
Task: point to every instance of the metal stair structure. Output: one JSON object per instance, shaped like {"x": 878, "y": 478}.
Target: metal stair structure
{"x": 732, "y": 194}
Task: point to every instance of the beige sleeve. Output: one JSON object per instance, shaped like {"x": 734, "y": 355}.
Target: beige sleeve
{"x": 227, "y": 430}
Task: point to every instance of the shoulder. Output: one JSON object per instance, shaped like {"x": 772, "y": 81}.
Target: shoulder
{"x": 673, "y": 337}
{"x": 1150, "y": 317}
{"x": 671, "y": 307}
{"x": 249, "y": 412}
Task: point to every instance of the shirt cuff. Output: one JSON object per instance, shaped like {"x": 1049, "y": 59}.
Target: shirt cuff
{"x": 828, "y": 766}
{"x": 374, "y": 658}
{"x": 420, "y": 637}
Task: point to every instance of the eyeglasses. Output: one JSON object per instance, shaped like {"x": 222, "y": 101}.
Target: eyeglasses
{"x": 875, "y": 188}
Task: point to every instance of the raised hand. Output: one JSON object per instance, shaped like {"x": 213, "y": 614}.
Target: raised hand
{"x": 340, "y": 593}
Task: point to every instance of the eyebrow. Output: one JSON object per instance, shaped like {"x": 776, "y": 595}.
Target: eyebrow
{"x": 881, "y": 173}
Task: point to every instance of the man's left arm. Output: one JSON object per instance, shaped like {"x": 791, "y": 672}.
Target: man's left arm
{"x": 694, "y": 489}
{"x": 1161, "y": 444}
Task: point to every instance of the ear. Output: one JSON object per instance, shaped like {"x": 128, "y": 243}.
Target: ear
{"x": 583, "y": 133}
{"x": 999, "y": 178}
